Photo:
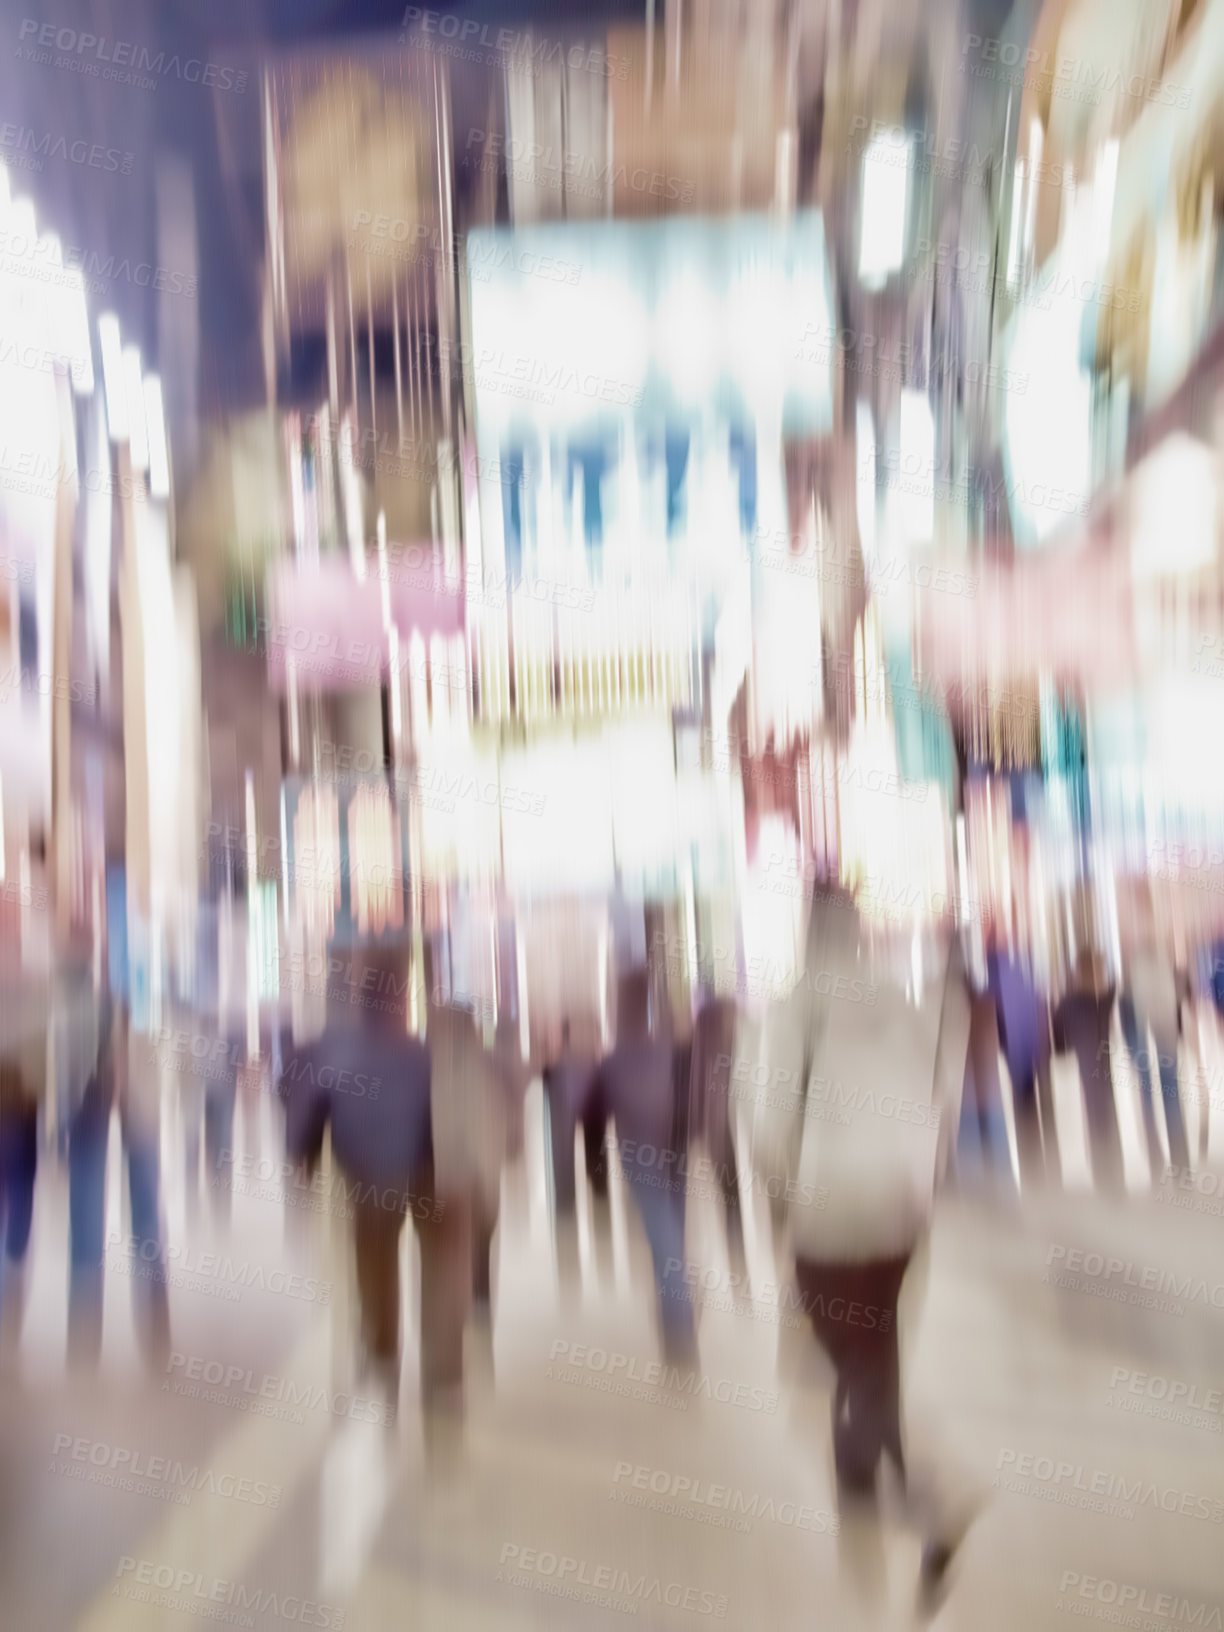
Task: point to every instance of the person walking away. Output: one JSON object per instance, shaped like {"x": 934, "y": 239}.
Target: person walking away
{"x": 863, "y": 1185}
{"x": 383, "y": 1145}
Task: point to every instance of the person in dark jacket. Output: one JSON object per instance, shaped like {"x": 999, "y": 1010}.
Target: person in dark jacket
{"x": 383, "y": 1145}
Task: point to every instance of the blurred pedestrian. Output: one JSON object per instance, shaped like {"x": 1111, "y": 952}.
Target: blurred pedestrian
{"x": 383, "y": 1144}
{"x": 862, "y": 1184}
{"x": 1149, "y": 1007}
{"x": 1082, "y": 1026}
{"x": 636, "y": 1086}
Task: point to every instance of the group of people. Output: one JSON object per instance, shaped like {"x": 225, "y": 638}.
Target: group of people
{"x": 853, "y": 1190}
{"x": 1158, "y": 999}
{"x": 853, "y": 1195}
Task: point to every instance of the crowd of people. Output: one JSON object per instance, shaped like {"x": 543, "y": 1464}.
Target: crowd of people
{"x": 794, "y": 1092}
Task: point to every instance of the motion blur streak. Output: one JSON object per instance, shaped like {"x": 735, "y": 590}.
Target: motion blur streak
{"x": 611, "y": 842}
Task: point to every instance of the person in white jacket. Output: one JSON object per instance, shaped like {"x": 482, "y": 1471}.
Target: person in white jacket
{"x": 857, "y": 1105}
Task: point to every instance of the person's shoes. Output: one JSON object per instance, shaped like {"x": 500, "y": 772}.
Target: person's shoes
{"x": 933, "y": 1577}
{"x": 936, "y": 1570}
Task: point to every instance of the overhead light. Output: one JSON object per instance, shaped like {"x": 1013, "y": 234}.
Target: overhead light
{"x": 112, "y": 376}
{"x": 155, "y": 429}
{"x": 137, "y": 432}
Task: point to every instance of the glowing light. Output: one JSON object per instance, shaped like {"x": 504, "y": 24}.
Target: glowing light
{"x": 155, "y": 426}
{"x": 316, "y": 860}
{"x": 885, "y": 192}
{"x": 376, "y": 878}
{"x": 112, "y": 376}
{"x": 138, "y": 434}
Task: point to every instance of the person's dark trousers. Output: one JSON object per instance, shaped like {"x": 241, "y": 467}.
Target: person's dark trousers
{"x": 1136, "y": 1047}
{"x": 18, "y": 1166}
{"x": 866, "y": 1360}
{"x": 445, "y": 1236}
{"x": 982, "y": 1136}
{"x": 88, "y": 1139}
{"x": 377, "y": 1231}
{"x": 595, "y": 1148}
{"x": 484, "y": 1228}
{"x": 570, "y": 1102}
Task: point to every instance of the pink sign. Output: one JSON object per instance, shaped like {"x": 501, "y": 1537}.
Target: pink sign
{"x": 1067, "y": 613}
{"x": 331, "y": 626}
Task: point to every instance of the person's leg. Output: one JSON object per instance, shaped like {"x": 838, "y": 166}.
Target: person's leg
{"x": 662, "y": 1211}
{"x": 19, "y": 1140}
{"x": 866, "y": 1423}
{"x": 1170, "y": 1093}
{"x": 1104, "y": 1136}
{"x": 151, "y": 1293}
{"x": 376, "y": 1237}
{"x": 562, "y": 1121}
{"x": 88, "y": 1138}
{"x": 595, "y": 1146}
{"x": 484, "y": 1227}
{"x": 219, "y": 1137}
{"x": 446, "y": 1264}
{"x": 19, "y": 1160}
{"x": 1049, "y": 1126}
{"x": 1028, "y": 1119}
{"x": 1136, "y": 1046}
